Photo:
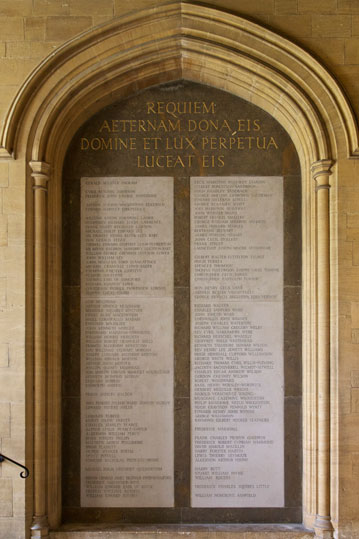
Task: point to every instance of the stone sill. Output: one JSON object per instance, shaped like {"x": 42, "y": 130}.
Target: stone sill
{"x": 192, "y": 531}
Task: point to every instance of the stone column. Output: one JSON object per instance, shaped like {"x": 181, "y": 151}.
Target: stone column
{"x": 321, "y": 172}
{"x": 40, "y": 175}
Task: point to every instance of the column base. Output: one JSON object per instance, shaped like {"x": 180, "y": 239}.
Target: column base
{"x": 39, "y": 528}
{"x": 323, "y": 527}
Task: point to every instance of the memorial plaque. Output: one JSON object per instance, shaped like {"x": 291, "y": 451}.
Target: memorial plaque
{"x": 174, "y": 404}
{"x": 237, "y": 376}
{"x": 127, "y": 342}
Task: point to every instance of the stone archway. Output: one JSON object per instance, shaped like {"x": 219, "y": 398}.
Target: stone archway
{"x": 184, "y": 41}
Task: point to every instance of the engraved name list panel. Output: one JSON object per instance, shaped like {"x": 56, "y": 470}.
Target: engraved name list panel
{"x": 127, "y": 342}
{"x": 237, "y": 397}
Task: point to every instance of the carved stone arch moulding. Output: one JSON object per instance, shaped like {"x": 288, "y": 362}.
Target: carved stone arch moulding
{"x": 201, "y": 44}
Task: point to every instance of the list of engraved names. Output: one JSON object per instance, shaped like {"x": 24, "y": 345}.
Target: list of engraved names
{"x": 127, "y": 342}
{"x": 237, "y": 342}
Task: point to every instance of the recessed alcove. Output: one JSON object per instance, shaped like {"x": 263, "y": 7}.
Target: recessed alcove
{"x": 225, "y": 137}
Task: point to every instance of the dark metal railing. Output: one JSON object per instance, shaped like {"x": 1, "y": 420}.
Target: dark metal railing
{"x": 23, "y": 474}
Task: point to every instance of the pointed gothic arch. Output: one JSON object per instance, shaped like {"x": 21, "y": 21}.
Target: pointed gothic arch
{"x": 201, "y": 44}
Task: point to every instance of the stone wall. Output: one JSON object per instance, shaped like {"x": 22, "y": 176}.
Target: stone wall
{"x": 32, "y": 29}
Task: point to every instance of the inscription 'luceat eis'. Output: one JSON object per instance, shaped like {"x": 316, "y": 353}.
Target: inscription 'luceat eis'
{"x": 180, "y": 134}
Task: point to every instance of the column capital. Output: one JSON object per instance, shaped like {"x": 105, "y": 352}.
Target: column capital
{"x": 321, "y": 170}
{"x": 40, "y": 173}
